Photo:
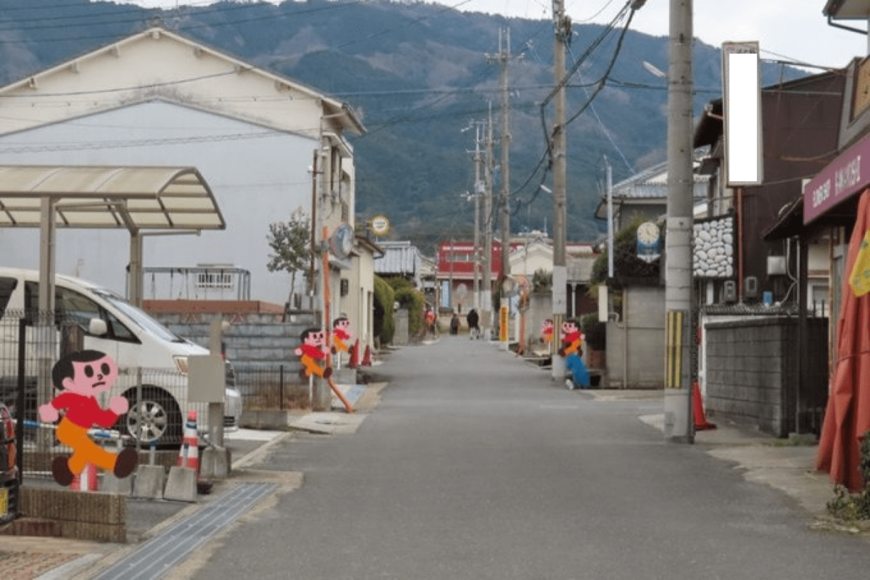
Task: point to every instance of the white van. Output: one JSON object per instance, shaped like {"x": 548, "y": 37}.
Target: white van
{"x": 136, "y": 341}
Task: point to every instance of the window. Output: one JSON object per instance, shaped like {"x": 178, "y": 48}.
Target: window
{"x": 214, "y": 280}
{"x": 7, "y": 287}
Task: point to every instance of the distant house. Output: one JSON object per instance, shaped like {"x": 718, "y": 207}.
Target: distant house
{"x": 400, "y": 259}
{"x": 644, "y": 194}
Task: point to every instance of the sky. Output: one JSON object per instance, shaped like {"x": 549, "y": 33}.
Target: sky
{"x": 793, "y": 30}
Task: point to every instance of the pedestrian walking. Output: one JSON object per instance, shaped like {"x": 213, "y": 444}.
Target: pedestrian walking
{"x": 454, "y": 324}
{"x": 473, "y": 329}
{"x": 430, "y": 320}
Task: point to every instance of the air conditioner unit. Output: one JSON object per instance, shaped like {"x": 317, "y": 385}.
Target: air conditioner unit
{"x": 750, "y": 288}
{"x": 729, "y": 292}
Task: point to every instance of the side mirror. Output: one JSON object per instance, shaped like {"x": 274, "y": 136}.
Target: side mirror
{"x": 97, "y": 327}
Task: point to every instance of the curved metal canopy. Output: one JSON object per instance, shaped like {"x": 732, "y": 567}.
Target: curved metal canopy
{"x": 130, "y": 197}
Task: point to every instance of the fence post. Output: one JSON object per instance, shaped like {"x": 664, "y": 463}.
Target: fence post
{"x": 281, "y": 385}
{"x": 19, "y": 399}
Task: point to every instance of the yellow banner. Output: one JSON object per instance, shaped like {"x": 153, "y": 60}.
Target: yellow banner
{"x": 859, "y": 278}
{"x": 503, "y": 324}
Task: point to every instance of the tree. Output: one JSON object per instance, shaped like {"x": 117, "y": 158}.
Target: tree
{"x": 290, "y": 242}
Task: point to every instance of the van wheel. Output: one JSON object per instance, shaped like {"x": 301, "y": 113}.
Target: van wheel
{"x": 156, "y": 419}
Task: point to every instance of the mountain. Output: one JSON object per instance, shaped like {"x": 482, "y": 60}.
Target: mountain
{"x": 419, "y": 74}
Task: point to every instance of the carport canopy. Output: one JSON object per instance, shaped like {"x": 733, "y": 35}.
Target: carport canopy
{"x": 141, "y": 199}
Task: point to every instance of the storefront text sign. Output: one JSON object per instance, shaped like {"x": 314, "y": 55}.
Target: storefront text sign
{"x": 845, "y": 176}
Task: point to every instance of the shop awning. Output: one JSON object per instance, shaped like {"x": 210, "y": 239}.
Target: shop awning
{"x": 130, "y": 197}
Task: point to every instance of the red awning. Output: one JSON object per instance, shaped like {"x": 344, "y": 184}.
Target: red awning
{"x": 847, "y": 417}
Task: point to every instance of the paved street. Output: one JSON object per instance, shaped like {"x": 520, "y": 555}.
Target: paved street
{"x": 477, "y": 466}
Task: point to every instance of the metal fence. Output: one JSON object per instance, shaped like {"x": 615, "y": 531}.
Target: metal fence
{"x": 31, "y": 344}
{"x": 271, "y": 386}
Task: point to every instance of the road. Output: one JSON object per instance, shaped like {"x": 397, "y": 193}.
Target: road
{"x": 477, "y": 466}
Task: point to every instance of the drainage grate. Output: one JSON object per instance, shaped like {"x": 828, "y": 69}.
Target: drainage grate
{"x": 159, "y": 555}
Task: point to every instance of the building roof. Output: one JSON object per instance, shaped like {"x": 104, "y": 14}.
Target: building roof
{"x": 139, "y": 75}
{"x": 400, "y": 258}
{"x": 647, "y": 186}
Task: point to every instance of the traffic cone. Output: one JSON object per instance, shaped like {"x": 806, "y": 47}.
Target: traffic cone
{"x": 188, "y": 455}
{"x": 86, "y": 480}
{"x": 701, "y": 422}
{"x": 354, "y": 355}
{"x": 367, "y": 358}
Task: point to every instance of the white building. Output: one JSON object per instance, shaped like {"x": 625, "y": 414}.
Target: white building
{"x": 158, "y": 98}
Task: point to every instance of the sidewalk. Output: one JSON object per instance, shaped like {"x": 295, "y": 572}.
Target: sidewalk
{"x": 780, "y": 463}
{"x": 45, "y": 558}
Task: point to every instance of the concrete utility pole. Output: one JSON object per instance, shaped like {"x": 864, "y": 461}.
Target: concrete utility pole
{"x": 679, "y": 425}
{"x": 478, "y": 192}
{"x": 486, "y": 296}
{"x": 504, "y": 55}
{"x": 559, "y": 151}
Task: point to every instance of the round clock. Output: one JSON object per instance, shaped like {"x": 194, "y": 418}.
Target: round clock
{"x": 648, "y": 233}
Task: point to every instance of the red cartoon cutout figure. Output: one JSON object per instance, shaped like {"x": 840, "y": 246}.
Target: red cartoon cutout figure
{"x": 313, "y": 352}
{"x": 81, "y": 376}
{"x": 572, "y": 338}
{"x": 547, "y": 331}
{"x": 341, "y": 335}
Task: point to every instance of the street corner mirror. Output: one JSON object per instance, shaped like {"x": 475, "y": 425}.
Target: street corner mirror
{"x": 508, "y": 285}
{"x": 97, "y": 327}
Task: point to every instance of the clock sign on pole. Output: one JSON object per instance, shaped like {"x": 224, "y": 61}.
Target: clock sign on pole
{"x": 648, "y": 242}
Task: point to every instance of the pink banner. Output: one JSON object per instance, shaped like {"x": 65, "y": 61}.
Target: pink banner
{"x": 845, "y": 176}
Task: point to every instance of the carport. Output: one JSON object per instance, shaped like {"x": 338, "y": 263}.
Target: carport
{"x": 145, "y": 200}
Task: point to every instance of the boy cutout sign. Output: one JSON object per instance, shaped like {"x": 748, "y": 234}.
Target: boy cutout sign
{"x": 81, "y": 376}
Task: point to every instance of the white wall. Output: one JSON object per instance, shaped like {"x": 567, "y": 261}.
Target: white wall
{"x": 258, "y": 176}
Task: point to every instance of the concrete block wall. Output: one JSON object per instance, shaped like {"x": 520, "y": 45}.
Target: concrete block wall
{"x": 251, "y": 340}
{"x": 635, "y": 354}
{"x": 752, "y": 373}
{"x": 93, "y": 516}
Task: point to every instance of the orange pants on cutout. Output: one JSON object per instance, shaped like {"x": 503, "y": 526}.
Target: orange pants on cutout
{"x": 84, "y": 449}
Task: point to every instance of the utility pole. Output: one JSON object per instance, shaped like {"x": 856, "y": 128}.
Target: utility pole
{"x": 478, "y": 192}
{"x": 503, "y": 58}
{"x": 679, "y": 425}
{"x": 486, "y": 297}
{"x": 559, "y": 150}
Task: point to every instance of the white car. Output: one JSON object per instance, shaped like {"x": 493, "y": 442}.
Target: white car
{"x": 140, "y": 345}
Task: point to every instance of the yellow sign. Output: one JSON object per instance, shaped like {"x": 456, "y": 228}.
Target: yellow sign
{"x": 503, "y": 324}
{"x": 674, "y": 363}
{"x": 4, "y": 501}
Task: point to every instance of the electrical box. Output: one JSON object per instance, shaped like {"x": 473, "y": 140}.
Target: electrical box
{"x": 750, "y": 288}
{"x": 729, "y": 292}
{"x": 776, "y": 265}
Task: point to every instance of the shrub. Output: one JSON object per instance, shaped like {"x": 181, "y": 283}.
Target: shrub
{"x": 847, "y": 506}
{"x": 595, "y": 331}
{"x": 384, "y": 325}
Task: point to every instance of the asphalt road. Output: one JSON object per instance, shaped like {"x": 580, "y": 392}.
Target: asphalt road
{"x": 476, "y": 466}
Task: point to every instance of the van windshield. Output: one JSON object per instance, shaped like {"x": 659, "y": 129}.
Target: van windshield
{"x": 138, "y": 316}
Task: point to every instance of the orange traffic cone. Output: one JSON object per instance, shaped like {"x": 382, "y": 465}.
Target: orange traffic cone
{"x": 354, "y": 355}
{"x": 701, "y": 422}
{"x": 188, "y": 455}
{"x": 86, "y": 480}
{"x": 367, "y": 358}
